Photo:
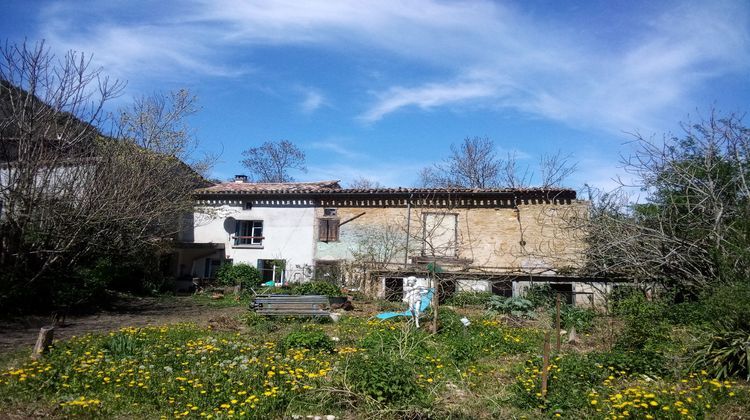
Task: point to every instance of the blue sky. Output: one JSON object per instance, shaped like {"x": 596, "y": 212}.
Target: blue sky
{"x": 379, "y": 89}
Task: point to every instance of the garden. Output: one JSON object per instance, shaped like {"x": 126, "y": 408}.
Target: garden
{"x": 639, "y": 358}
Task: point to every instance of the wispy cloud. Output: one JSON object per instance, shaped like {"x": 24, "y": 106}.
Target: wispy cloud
{"x": 312, "y": 100}
{"x": 427, "y": 96}
{"x": 335, "y": 147}
{"x": 480, "y": 53}
{"x": 386, "y": 174}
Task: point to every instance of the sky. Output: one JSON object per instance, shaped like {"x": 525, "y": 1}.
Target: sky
{"x": 380, "y": 89}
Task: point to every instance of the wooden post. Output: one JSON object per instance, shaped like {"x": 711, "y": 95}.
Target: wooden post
{"x": 545, "y": 364}
{"x": 557, "y": 325}
{"x": 436, "y": 300}
{"x": 43, "y": 341}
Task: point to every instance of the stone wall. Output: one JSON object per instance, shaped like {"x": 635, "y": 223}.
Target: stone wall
{"x": 534, "y": 238}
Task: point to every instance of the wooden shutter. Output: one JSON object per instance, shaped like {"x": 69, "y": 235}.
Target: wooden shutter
{"x": 333, "y": 229}
{"x": 328, "y": 230}
{"x": 323, "y": 230}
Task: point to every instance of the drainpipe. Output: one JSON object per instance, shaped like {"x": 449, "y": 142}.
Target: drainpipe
{"x": 408, "y": 223}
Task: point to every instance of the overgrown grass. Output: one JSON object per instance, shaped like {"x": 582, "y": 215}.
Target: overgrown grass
{"x": 226, "y": 301}
{"x": 359, "y": 367}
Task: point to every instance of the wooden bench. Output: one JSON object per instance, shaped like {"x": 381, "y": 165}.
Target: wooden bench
{"x": 291, "y": 305}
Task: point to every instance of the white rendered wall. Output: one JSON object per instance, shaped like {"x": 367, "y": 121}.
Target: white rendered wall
{"x": 288, "y": 233}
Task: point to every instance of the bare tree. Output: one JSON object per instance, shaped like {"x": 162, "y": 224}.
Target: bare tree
{"x": 512, "y": 175}
{"x": 272, "y": 161}
{"x": 692, "y": 231}
{"x": 364, "y": 183}
{"x": 555, "y": 168}
{"x": 475, "y": 164}
{"x": 472, "y": 164}
{"x": 72, "y": 195}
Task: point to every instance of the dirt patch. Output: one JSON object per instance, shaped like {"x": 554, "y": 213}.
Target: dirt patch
{"x": 138, "y": 312}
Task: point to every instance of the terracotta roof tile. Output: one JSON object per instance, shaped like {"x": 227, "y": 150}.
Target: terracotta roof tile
{"x": 333, "y": 188}
{"x": 270, "y": 187}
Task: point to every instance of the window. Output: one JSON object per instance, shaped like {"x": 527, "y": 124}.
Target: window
{"x": 329, "y": 271}
{"x": 329, "y": 212}
{"x": 272, "y": 270}
{"x": 439, "y": 234}
{"x": 328, "y": 230}
{"x": 249, "y": 232}
{"x": 248, "y": 205}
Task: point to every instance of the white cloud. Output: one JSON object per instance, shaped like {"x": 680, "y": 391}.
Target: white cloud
{"x": 312, "y": 101}
{"x": 427, "y": 96}
{"x": 335, "y": 147}
{"x": 490, "y": 54}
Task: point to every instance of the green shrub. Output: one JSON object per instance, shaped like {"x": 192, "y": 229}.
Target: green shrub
{"x": 449, "y": 322}
{"x": 726, "y": 353}
{"x": 540, "y": 295}
{"x": 630, "y": 361}
{"x": 385, "y": 378}
{"x": 257, "y": 322}
{"x": 729, "y": 306}
{"x": 515, "y": 306}
{"x": 645, "y": 324}
{"x": 121, "y": 345}
{"x": 308, "y": 339}
{"x": 318, "y": 287}
{"x": 241, "y": 274}
{"x": 725, "y": 348}
{"x": 401, "y": 338}
{"x": 462, "y": 299}
{"x": 582, "y": 319}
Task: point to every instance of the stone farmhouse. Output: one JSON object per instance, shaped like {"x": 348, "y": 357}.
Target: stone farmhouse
{"x": 495, "y": 240}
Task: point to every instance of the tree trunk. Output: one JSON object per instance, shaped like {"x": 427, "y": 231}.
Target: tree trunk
{"x": 43, "y": 341}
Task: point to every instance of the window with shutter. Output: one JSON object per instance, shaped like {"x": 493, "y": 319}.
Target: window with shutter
{"x": 328, "y": 230}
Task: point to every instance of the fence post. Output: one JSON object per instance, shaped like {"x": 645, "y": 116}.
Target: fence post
{"x": 557, "y": 325}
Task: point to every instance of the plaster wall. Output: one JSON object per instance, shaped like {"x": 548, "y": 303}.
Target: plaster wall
{"x": 287, "y": 230}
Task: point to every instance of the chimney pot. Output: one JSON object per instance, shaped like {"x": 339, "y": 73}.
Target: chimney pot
{"x": 240, "y": 179}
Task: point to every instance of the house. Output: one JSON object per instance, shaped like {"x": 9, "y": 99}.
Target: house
{"x": 495, "y": 240}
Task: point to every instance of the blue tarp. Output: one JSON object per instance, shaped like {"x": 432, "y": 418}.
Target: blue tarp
{"x": 424, "y": 304}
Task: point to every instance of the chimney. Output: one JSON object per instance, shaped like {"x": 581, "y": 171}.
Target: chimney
{"x": 240, "y": 179}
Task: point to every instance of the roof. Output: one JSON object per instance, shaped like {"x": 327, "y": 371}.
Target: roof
{"x": 332, "y": 188}
{"x": 270, "y": 187}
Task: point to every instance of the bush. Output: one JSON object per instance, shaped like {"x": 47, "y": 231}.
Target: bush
{"x": 385, "y": 378}
{"x": 462, "y": 299}
{"x": 582, "y": 319}
{"x": 725, "y": 348}
{"x": 259, "y": 323}
{"x": 540, "y": 295}
{"x": 241, "y": 274}
{"x": 318, "y": 288}
{"x": 308, "y": 339}
{"x": 402, "y": 338}
{"x": 725, "y": 354}
{"x": 643, "y": 362}
{"x": 515, "y": 306}
{"x": 729, "y": 306}
{"x": 645, "y": 327}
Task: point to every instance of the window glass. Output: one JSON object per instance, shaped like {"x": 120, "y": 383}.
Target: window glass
{"x": 249, "y": 232}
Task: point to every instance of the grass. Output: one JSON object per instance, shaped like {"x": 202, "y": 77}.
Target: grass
{"x": 488, "y": 370}
{"x": 227, "y": 301}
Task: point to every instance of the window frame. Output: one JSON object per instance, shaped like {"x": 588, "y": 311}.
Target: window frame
{"x": 453, "y": 250}
{"x": 249, "y": 234}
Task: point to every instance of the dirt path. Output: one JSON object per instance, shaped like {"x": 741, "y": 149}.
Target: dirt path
{"x": 20, "y": 333}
